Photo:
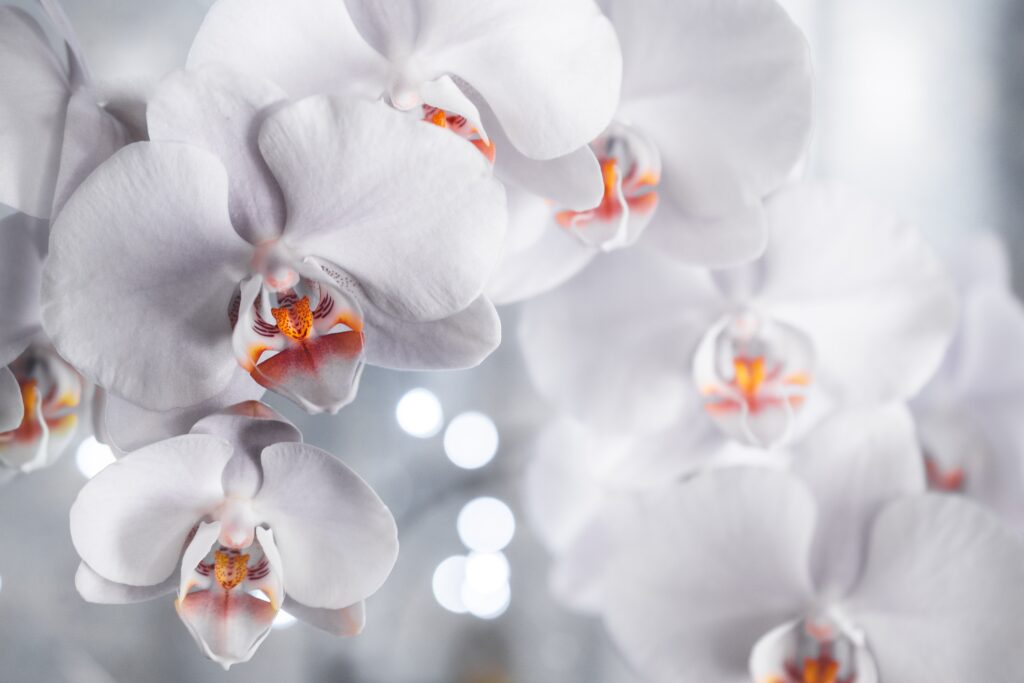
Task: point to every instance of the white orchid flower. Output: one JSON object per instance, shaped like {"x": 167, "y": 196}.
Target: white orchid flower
{"x": 846, "y": 308}
{"x": 241, "y": 519}
{"x": 842, "y": 570}
{"x": 531, "y": 82}
{"x": 289, "y": 242}
{"x": 968, "y": 416}
{"x": 40, "y": 395}
{"x": 715, "y": 115}
{"x": 56, "y": 123}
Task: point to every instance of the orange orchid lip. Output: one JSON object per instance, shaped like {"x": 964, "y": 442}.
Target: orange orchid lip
{"x": 460, "y": 126}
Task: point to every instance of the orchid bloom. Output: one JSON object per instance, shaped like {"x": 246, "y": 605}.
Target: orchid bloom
{"x": 56, "y": 122}
{"x": 240, "y": 519}
{"x": 40, "y": 394}
{"x": 847, "y": 307}
{"x": 842, "y": 570}
{"x": 715, "y": 114}
{"x": 530, "y": 82}
{"x": 968, "y": 416}
{"x": 289, "y": 243}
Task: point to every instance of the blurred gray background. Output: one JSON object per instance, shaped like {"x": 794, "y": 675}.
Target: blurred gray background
{"x": 917, "y": 102}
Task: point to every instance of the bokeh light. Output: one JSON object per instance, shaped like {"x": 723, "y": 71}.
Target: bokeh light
{"x": 490, "y": 605}
{"x": 92, "y": 457}
{"x": 449, "y": 578}
{"x": 471, "y": 440}
{"x": 419, "y": 413}
{"x": 486, "y": 525}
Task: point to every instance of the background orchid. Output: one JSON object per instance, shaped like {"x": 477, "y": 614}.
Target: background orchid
{"x": 721, "y": 410}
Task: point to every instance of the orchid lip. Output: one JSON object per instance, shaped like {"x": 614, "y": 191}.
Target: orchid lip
{"x": 821, "y": 648}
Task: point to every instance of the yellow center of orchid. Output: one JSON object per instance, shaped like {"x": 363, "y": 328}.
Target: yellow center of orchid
{"x": 230, "y": 569}
{"x": 295, "y": 321}
{"x": 749, "y": 374}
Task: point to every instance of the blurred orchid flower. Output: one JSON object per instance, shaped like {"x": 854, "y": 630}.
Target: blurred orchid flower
{"x": 529, "y": 82}
{"x": 968, "y": 416}
{"x": 842, "y": 570}
{"x": 289, "y": 242}
{"x": 41, "y": 396}
{"x": 241, "y": 519}
{"x": 715, "y": 115}
{"x": 56, "y": 123}
{"x": 847, "y": 308}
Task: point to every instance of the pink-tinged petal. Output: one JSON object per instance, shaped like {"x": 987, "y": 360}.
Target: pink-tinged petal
{"x": 12, "y": 408}
{"x": 34, "y": 92}
{"x": 21, "y": 267}
{"x": 221, "y": 111}
{"x": 321, "y": 375}
{"x": 613, "y": 347}
{"x": 942, "y": 593}
{"x": 128, "y": 427}
{"x": 344, "y": 622}
{"x": 864, "y": 286}
{"x": 705, "y": 568}
{"x": 131, "y": 521}
{"x": 143, "y": 263}
{"x": 307, "y": 47}
{"x": 724, "y": 89}
{"x": 409, "y": 210}
{"x": 338, "y": 541}
{"x": 855, "y": 463}
{"x": 94, "y": 588}
{"x": 91, "y": 136}
{"x": 226, "y": 621}
{"x": 550, "y": 71}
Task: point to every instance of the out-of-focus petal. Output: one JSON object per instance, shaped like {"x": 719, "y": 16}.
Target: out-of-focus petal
{"x": 346, "y": 621}
{"x": 613, "y": 346}
{"x": 12, "y": 408}
{"x": 129, "y": 427}
{"x": 875, "y": 301}
{"x": 307, "y": 47}
{"x": 21, "y": 266}
{"x": 724, "y": 89}
{"x": 408, "y": 209}
{"x": 337, "y": 539}
{"x": 690, "y": 593}
{"x": 94, "y": 588}
{"x": 143, "y": 264}
{"x": 34, "y": 92}
{"x": 131, "y": 521}
{"x": 854, "y": 464}
{"x": 221, "y": 111}
{"x": 945, "y": 581}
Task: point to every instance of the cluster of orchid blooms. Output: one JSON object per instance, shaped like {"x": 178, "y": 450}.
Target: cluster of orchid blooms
{"x": 787, "y": 444}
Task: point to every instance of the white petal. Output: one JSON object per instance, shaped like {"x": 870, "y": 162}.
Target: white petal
{"x": 337, "y": 540}
{"x": 306, "y": 47}
{"x": 724, "y": 89}
{"x": 143, "y": 264}
{"x": 854, "y": 464}
{"x": 12, "y": 408}
{"x": 550, "y": 71}
{"x": 876, "y": 302}
{"x": 613, "y": 346}
{"x": 408, "y": 209}
{"x": 21, "y": 265}
{"x": 942, "y": 593}
{"x": 91, "y": 136}
{"x": 129, "y": 427}
{"x": 705, "y": 568}
{"x": 221, "y": 111}
{"x": 94, "y": 588}
{"x": 34, "y": 93}
{"x": 346, "y": 621}
{"x": 130, "y": 522}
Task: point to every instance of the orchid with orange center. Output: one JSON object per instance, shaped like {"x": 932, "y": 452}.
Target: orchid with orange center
{"x": 842, "y": 570}
{"x": 260, "y": 244}
{"x": 847, "y": 308}
{"x": 714, "y": 117}
{"x": 214, "y": 515}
